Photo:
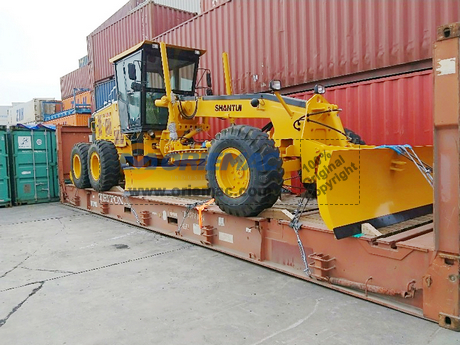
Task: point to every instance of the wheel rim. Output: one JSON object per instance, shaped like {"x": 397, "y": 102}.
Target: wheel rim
{"x": 232, "y": 172}
{"x": 77, "y": 166}
{"x": 95, "y": 166}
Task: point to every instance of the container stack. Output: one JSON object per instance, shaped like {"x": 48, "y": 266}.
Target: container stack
{"x": 76, "y": 97}
{"x": 33, "y": 111}
{"x": 134, "y": 22}
{"x": 93, "y": 84}
{"x": 303, "y": 43}
{"x": 375, "y": 47}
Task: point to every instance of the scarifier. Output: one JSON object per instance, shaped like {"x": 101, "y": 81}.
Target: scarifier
{"x": 149, "y": 136}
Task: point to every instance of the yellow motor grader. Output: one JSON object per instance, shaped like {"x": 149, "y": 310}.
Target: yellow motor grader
{"x": 149, "y": 137}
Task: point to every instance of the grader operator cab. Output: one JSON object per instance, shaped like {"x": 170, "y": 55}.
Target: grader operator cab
{"x": 141, "y": 81}
{"x": 154, "y": 128}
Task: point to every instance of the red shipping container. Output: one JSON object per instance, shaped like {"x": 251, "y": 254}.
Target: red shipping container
{"x": 79, "y": 78}
{"x": 121, "y": 13}
{"x": 299, "y": 42}
{"x": 144, "y": 22}
{"x": 394, "y": 110}
{"x": 206, "y": 5}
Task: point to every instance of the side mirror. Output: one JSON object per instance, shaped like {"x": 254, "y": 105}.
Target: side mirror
{"x": 208, "y": 79}
{"x": 132, "y": 71}
{"x": 209, "y": 84}
{"x": 92, "y": 124}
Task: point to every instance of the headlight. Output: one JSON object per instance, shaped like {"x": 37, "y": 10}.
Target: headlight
{"x": 319, "y": 89}
{"x": 275, "y": 85}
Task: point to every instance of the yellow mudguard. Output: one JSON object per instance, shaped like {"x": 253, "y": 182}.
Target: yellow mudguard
{"x": 371, "y": 185}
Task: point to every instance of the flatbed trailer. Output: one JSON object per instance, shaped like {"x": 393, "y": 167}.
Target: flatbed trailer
{"x": 411, "y": 266}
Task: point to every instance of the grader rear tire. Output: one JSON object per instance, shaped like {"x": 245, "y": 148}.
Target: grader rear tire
{"x": 79, "y": 166}
{"x": 104, "y": 165}
{"x": 244, "y": 171}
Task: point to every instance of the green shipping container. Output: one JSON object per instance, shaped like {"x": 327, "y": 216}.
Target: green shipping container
{"x": 33, "y": 165}
{"x": 5, "y": 186}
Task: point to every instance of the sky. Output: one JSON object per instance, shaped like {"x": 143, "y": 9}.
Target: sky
{"x": 42, "y": 40}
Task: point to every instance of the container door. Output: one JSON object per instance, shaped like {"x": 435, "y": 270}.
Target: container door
{"x": 53, "y": 164}
{"x": 5, "y": 190}
{"x": 34, "y": 166}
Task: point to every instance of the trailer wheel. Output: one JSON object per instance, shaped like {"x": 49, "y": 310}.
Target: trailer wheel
{"x": 104, "y": 165}
{"x": 244, "y": 171}
{"x": 355, "y": 138}
{"x": 79, "y": 166}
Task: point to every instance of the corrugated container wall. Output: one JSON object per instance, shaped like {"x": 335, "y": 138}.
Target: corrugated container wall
{"x": 299, "y": 42}
{"x": 184, "y": 5}
{"x": 193, "y": 6}
{"x": 206, "y": 5}
{"x": 83, "y": 61}
{"x": 145, "y": 22}
{"x": 71, "y": 120}
{"x": 394, "y": 110}
{"x": 105, "y": 93}
{"x": 79, "y": 79}
{"x": 34, "y": 165}
{"x": 82, "y": 99}
{"x": 122, "y": 12}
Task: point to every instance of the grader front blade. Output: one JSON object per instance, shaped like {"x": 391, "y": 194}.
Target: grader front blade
{"x": 371, "y": 185}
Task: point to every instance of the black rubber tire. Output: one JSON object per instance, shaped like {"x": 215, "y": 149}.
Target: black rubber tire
{"x": 355, "y": 138}
{"x": 81, "y": 150}
{"x": 265, "y": 166}
{"x": 109, "y": 165}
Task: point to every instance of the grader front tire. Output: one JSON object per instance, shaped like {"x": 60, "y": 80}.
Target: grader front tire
{"x": 79, "y": 166}
{"x": 104, "y": 165}
{"x": 244, "y": 171}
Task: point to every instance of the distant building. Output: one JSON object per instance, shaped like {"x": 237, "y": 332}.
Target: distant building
{"x": 4, "y": 114}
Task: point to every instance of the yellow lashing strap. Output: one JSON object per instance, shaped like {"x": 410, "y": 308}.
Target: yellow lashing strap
{"x": 200, "y": 209}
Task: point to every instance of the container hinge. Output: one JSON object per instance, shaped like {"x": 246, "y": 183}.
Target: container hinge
{"x": 296, "y": 225}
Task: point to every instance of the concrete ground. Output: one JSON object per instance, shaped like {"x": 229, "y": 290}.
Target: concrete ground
{"x": 70, "y": 277}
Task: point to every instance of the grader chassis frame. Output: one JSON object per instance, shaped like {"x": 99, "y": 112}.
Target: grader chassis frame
{"x": 414, "y": 267}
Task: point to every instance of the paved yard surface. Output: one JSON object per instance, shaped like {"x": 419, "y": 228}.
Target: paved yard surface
{"x": 70, "y": 277}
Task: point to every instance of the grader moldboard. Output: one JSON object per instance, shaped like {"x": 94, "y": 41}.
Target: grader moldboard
{"x": 148, "y": 137}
